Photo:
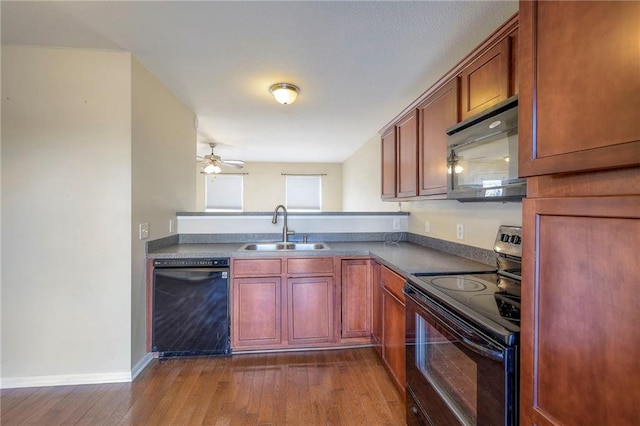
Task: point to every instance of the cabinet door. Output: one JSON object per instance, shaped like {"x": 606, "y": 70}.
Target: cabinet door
{"x": 356, "y": 298}
{"x": 580, "y": 312}
{"x": 437, "y": 113}
{"x": 580, "y": 79}
{"x": 485, "y": 81}
{"x": 376, "y": 308}
{"x": 393, "y": 333}
{"x": 257, "y": 316}
{"x": 389, "y": 164}
{"x": 407, "y": 165}
{"x": 311, "y": 310}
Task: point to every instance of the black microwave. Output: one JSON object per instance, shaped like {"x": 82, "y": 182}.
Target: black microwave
{"x": 483, "y": 156}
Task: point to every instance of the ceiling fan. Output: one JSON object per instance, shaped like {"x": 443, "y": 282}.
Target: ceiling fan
{"x": 212, "y": 164}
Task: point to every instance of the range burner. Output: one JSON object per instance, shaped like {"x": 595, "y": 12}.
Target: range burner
{"x": 458, "y": 283}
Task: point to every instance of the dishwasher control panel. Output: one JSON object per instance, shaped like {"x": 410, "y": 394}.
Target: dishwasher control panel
{"x": 190, "y": 263}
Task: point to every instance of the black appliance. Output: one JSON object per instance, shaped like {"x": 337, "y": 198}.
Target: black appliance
{"x": 462, "y": 342}
{"x": 483, "y": 156}
{"x": 190, "y": 307}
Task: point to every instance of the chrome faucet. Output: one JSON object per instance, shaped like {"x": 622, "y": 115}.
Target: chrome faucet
{"x": 285, "y": 229}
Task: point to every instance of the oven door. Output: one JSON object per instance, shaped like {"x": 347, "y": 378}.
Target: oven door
{"x": 455, "y": 375}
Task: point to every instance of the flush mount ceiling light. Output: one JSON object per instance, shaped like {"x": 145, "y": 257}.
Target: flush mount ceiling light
{"x": 285, "y": 93}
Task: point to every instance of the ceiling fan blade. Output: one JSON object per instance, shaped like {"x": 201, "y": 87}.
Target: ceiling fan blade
{"x": 236, "y": 164}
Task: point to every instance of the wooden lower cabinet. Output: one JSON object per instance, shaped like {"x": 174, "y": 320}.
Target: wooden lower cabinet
{"x": 376, "y": 305}
{"x": 393, "y": 326}
{"x": 356, "y": 298}
{"x": 257, "y": 313}
{"x": 580, "y": 311}
{"x": 310, "y": 308}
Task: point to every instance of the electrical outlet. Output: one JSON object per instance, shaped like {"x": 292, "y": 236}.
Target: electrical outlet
{"x": 396, "y": 224}
{"x": 172, "y": 226}
{"x": 427, "y": 227}
{"x": 143, "y": 231}
{"x": 460, "y": 231}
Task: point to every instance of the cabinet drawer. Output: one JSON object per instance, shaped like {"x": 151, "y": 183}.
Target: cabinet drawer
{"x": 392, "y": 282}
{"x": 257, "y": 267}
{"x": 315, "y": 265}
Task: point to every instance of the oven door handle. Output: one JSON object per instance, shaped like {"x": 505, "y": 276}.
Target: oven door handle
{"x": 481, "y": 350}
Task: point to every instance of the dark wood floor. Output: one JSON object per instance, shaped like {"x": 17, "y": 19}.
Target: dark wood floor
{"x": 339, "y": 387}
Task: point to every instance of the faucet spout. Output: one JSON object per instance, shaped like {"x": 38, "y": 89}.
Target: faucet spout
{"x": 285, "y": 230}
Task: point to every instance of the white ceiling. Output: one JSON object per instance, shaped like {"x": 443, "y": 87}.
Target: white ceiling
{"x": 357, "y": 63}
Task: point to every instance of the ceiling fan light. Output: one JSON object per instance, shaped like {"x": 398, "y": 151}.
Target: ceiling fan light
{"x": 211, "y": 169}
{"x": 285, "y": 93}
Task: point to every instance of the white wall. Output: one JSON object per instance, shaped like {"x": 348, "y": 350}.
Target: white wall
{"x": 163, "y": 153}
{"x": 264, "y": 185}
{"x": 361, "y": 176}
{"x": 66, "y": 215}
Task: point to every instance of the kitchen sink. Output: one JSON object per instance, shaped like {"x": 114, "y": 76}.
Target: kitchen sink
{"x": 284, "y": 247}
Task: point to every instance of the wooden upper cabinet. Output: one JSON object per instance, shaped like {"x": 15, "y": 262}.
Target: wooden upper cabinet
{"x": 407, "y": 158}
{"x": 580, "y": 79}
{"x": 389, "y": 164}
{"x": 437, "y": 113}
{"x": 486, "y": 81}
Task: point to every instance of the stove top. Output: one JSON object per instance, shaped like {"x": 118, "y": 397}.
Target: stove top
{"x": 489, "y": 299}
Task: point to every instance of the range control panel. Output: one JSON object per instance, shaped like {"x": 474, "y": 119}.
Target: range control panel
{"x": 509, "y": 241}
{"x": 190, "y": 263}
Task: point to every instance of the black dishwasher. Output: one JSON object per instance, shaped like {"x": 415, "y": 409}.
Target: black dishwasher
{"x": 190, "y": 307}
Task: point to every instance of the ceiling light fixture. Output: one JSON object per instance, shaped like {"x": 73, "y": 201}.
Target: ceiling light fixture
{"x": 285, "y": 93}
{"x": 211, "y": 168}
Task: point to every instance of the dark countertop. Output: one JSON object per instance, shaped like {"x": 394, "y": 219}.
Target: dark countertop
{"x": 404, "y": 257}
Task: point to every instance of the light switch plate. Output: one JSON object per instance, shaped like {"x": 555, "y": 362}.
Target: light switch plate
{"x": 427, "y": 227}
{"x": 143, "y": 230}
{"x": 460, "y": 231}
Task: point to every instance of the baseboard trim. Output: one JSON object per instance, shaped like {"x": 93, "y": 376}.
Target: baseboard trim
{"x": 141, "y": 365}
{"x": 64, "y": 380}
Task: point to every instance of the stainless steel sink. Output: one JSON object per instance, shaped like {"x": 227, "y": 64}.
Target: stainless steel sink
{"x": 284, "y": 247}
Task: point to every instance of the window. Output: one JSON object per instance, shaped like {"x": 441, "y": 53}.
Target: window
{"x": 223, "y": 193}
{"x": 304, "y": 193}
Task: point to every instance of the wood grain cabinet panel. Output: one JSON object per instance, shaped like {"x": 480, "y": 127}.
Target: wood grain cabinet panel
{"x": 376, "y": 306}
{"x": 257, "y": 267}
{"x": 389, "y": 164}
{"x": 486, "y": 81}
{"x": 392, "y": 282}
{"x": 257, "y": 312}
{"x": 407, "y": 155}
{"x": 580, "y": 311}
{"x": 310, "y": 266}
{"x": 435, "y": 115}
{"x": 356, "y": 298}
{"x": 393, "y": 334}
{"x": 311, "y": 318}
{"x": 580, "y": 79}
{"x": 393, "y": 325}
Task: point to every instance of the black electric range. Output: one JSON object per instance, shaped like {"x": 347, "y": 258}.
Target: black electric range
{"x": 489, "y": 300}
